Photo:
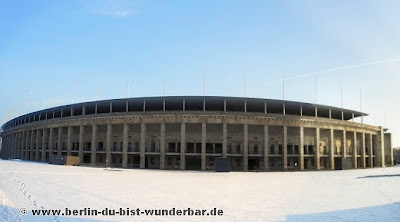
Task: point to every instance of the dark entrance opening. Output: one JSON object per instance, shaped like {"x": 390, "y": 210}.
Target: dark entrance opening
{"x": 86, "y": 158}
{"x": 367, "y": 162}
{"x": 338, "y": 163}
{"x": 116, "y": 160}
{"x": 254, "y": 164}
{"x": 136, "y": 161}
{"x": 193, "y": 163}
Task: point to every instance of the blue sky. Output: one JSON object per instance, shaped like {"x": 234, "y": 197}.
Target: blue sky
{"x": 54, "y": 47}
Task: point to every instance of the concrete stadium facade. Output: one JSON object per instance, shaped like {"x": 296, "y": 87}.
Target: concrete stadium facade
{"x": 189, "y": 132}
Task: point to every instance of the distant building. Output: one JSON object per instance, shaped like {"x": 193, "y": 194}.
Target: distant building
{"x": 189, "y": 132}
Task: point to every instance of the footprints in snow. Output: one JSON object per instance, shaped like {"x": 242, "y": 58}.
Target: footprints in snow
{"x": 28, "y": 196}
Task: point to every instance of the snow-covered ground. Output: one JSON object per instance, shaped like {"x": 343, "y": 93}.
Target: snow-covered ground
{"x": 351, "y": 195}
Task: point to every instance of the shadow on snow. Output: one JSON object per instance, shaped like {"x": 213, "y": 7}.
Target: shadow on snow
{"x": 378, "y": 176}
{"x": 387, "y": 213}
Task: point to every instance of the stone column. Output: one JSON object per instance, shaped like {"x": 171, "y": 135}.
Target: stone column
{"x": 16, "y": 150}
{"x": 317, "y": 149}
{"x": 27, "y": 142}
{"x": 32, "y": 150}
{"x": 30, "y": 145}
{"x": 22, "y": 156}
{"x": 355, "y": 149}
{"x": 21, "y": 145}
{"x": 5, "y": 148}
{"x": 26, "y": 151}
{"x": 13, "y": 145}
{"x": 390, "y": 145}
{"x": 81, "y": 142}
{"x": 162, "y": 145}
{"x": 183, "y": 146}
{"x": 203, "y": 146}
{"x": 24, "y": 144}
{"x": 37, "y": 154}
{"x": 344, "y": 145}
{"x": 51, "y": 142}
{"x": 10, "y": 147}
{"x": 44, "y": 141}
{"x": 60, "y": 145}
{"x": 371, "y": 159}
{"x": 284, "y": 148}
{"x": 363, "y": 165}
{"x": 142, "y": 145}
{"x": 19, "y": 150}
{"x": 301, "y": 148}
{"x": 3, "y": 153}
{"x": 109, "y": 146}
{"x": 16, "y": 147}
{"x": 69, "y": 141}
{"x": 224, "y": 140}
{"x": 332, "y": 148}
{"x": 380, "y": 148}
{"x": 266, "y": 146}
{"x": 94, "y": 145}
{"x": 246, "y": 147}
{"x": 125, "y": 137}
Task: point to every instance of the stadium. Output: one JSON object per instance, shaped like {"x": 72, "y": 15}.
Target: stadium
{"x": 190, "y": 132}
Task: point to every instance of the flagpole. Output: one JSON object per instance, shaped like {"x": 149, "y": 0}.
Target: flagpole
{"x": 245, "y": 81}
{"x": 54, "y": 98}
{"x": 127, "y": 86}
{"x": 73, "y": 96}
{"x": 315, "y": 87}
{"x": 204, "y": 76}
{"x": 165, "y": 82}
{"x": 283, "y": 86}
{"x": 97, "y": 88}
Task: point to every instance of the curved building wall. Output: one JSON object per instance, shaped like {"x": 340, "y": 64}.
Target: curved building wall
{"x": 190, "y": 132}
